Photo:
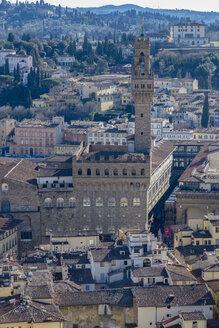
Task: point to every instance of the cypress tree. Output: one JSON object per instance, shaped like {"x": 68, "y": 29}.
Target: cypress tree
{"x": 18, "y": 76}
{"x": 205, "y": 113}
{"x": 6, "y": 67}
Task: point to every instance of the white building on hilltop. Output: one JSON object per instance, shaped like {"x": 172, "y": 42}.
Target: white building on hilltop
{"x": 188, "y": 33}
{"x": 22, "y": 61}
{"x": 25, "y": 63}
{"x": 4, "y": 53}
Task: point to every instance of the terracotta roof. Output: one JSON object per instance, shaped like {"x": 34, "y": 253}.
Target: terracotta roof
{"x": 150, "y": 272}
{"x": 212, "y": 268}
{"x": 30, "y": 312}
{"x": 7, "y": 224}
{"x": 81, "y": 276}
{"x": 202, "y": 234}
{"x": 179, "y": 273}
{"x": 163, "y": 295}
{"x": 120, "y": 297}
{"x": 214, "y": 285}
{"x": 19, "y": 170}
{"x": 39, "y": 292}
{"x": 109, "y": 254}
{"x": 195, "y": 250}
{"x": 197, "y": 161}
{"x": 6, "y": 164}
{"x": 160, "y": 152}
{"x": 66, "y": 286}
{"x": 193, "y": 315}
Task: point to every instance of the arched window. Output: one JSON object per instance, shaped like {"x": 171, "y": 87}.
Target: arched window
{"x": 142, "y": 171}
{"x": 99, "y": 202}
{"x": 5, "y": 206}
{"x": 136, "y": 202}
{"x": 86, "y": 202}
{"x": 25, "y": 203}
{"x": 60, "y": 202}
{"x": 97, "y": 172}
{"x": 115, "y": 172}
{"x": 4, "y": 187}
{"x": 111, "y": 202}
{"x": 48, "y": 202}
{"x": 133, "y": 172}
{"x": 138, "y": 186}
{"x": 142, "y": 63}
{"x": 124, "y": 172}
{"x": 72, "y": 202}
{"x": 106, "y": 172}
{"x": 88, "y": 171}
{"x": 80, "y": 172}
{"x": 123, "y": 202}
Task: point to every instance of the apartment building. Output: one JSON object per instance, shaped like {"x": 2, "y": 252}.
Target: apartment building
{"x": 36, "y": 138}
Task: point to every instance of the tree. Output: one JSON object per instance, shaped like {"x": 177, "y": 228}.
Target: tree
{"x": 205, "y": 113}
{"x": 102, "y": 66}
{"x": 11, "y": 37}
{"x": 6, "y": 68}
{"x": 87, "y": 48}
{"x": 99, "y": 49}
{"x": 50, "y": 82}
{"x": 17, "y": 73}
{"x": 71, "y": 50}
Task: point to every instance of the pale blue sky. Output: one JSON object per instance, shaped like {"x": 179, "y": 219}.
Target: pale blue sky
{"x": 201, "y": 5}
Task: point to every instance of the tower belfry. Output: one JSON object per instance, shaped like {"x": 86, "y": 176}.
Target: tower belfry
{"x": 142, "y": 93}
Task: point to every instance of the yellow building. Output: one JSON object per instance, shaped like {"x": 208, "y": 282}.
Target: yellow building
{"x": 199, "y": 232}
{"x": 99, "y": 308}
{"x": 179, "y": 275}
{"x": 193, "y": 319}
{"x": 8, "y": 236}
{"x": 126, "y": 99}
{"x": 213, "y": 286}
{"x": 210, "y": 134}
{"x": 45, "y": 101}
{"x": 66, "y": 149}
{"x": 211, "y": 273}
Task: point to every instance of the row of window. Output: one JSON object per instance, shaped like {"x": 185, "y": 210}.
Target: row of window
{"x": 142, "y": 86}
{"x": 87, "y": 202}
{"x": 37, "y": 142}
{"x": 7, "y": 246}
{"x": 36, "y": 134}
{"x": 115, "y": 172}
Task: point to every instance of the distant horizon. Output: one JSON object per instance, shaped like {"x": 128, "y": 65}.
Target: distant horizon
{"x": 197, "y": 5}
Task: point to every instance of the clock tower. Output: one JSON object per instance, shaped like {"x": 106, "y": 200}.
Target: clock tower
{"x": 142, "y": 93}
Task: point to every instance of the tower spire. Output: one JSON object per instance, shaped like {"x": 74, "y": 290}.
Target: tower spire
{"x": 142, "y": 27}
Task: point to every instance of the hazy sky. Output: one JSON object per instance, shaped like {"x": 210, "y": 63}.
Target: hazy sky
{"x": 201, "y": 5}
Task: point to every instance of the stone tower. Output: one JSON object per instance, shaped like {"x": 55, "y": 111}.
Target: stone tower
{"x": 142, "y": 93}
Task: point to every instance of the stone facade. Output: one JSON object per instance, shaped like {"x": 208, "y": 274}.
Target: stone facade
{"x": 110, "y": 184}
{"x": 142, "y": 93}
{"x": 101, "y": 187}
{"x": 19, "y": 200}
